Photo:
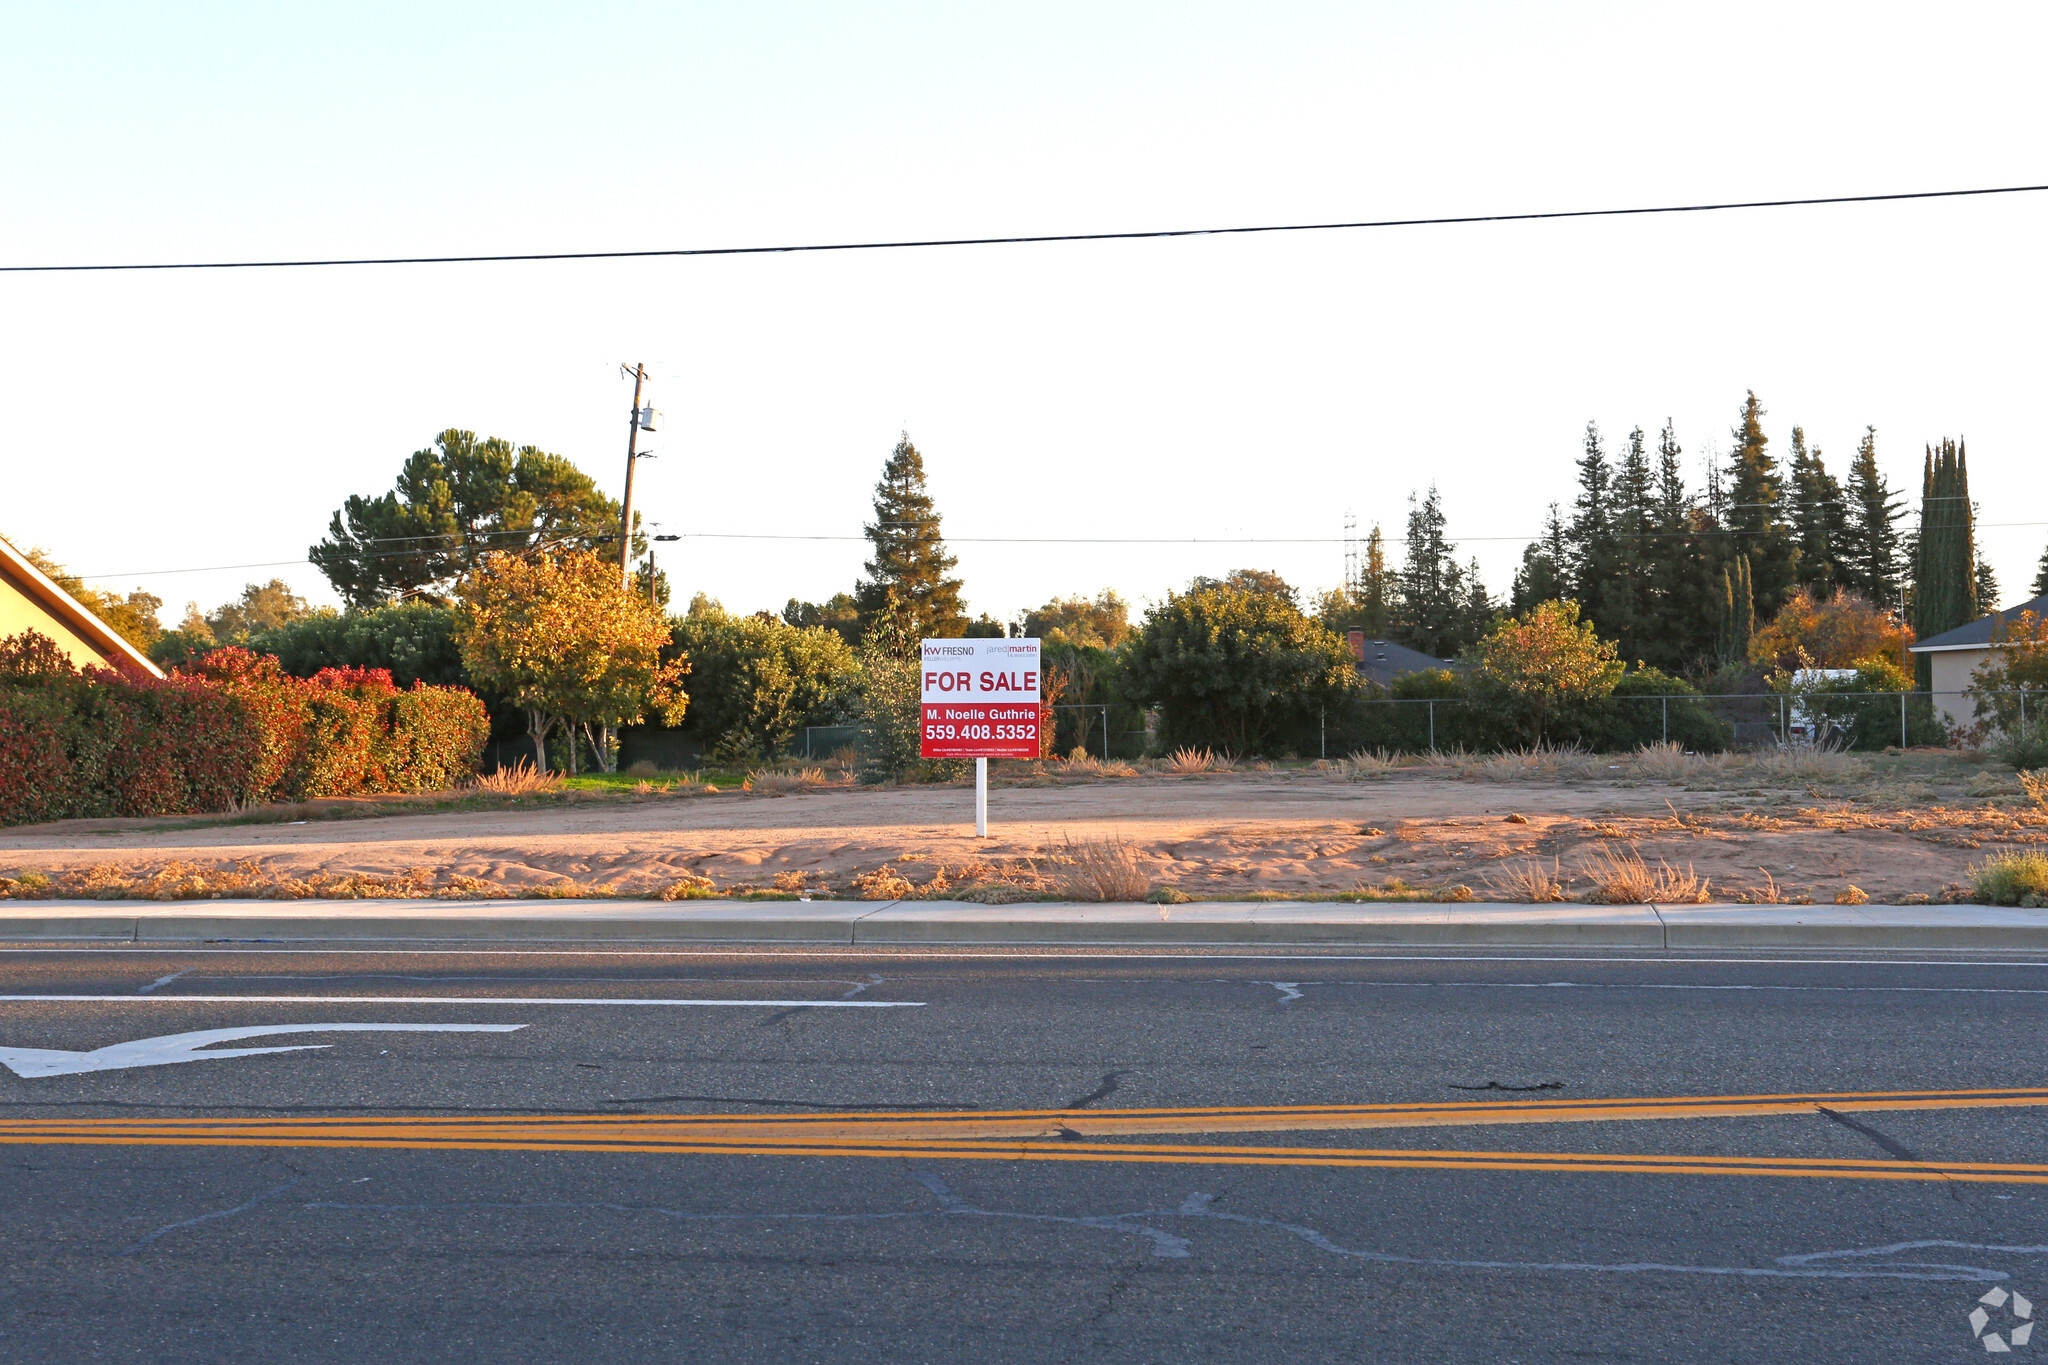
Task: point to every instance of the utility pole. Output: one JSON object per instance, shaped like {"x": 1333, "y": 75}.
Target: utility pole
{"x": 639, "y": 420}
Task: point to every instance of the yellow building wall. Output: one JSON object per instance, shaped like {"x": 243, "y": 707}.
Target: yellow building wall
{"x": 20, "y": 612}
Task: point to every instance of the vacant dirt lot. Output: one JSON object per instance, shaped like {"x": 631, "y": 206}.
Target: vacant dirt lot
{"x": 1896, "y": 829}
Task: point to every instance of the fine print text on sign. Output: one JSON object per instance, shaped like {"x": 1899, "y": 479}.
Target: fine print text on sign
{"x": 980, "y": 699}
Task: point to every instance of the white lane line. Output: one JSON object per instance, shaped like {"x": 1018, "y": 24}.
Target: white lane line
{"x": 453, "y": 1000}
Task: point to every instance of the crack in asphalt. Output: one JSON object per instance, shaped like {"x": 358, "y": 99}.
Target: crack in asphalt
{"x": 243, "y": 1207}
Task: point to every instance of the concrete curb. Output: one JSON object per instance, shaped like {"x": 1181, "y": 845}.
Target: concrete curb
{"x": 933, "y": 923}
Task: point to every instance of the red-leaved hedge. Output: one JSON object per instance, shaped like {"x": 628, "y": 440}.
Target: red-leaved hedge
{"x": 235, "y": 731}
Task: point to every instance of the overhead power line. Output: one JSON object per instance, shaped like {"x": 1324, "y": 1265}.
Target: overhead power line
{"x": 1027, "y": 239}
{"x": 1026, "y": 540}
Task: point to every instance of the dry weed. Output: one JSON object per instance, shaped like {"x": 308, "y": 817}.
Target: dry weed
{"x": 1770, "y": 893}
{"x": 776, "y": 782}
{"x": 798, "y": 881}
{"x": 1104, "y": 869}
{"x": 1188, "y": 760}
{"x": 1623, "y": 878}
{"x": 567, "y": 889}
{"x": 1852, "y": 895}
{"x": 1800, "y": 763}
{"x": 882, "y": 884}
{"x": 1528, "y": 883}
{"x": 1365, "y": 765}
{"x": 1661, "y": 762}
{"x": 688, "y": 887}
{"x": 521, "y": 779}
{"x": 2035, "y": 785}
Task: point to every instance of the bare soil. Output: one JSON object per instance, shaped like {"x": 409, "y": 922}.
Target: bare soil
{"x": 1893, "y": 832}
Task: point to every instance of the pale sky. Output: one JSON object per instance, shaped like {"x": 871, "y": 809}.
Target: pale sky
{"x": 1218, "y": 387}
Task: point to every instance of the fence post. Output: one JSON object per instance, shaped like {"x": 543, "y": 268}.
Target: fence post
{"x": 1105, "y": 732}
{"x": 1323, "y": 731}
{"x": 1667, "y": 720}
{"x": 1902, "y": 722}
{"x": 1432, "y": 727}
{"x": 1784, "y": 721}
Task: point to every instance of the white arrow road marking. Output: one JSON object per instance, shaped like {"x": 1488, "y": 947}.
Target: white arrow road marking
{"x": 172, "y": 1048}
{"x": 458, "y": 1000}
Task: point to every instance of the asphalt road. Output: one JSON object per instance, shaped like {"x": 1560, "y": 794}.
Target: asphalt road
{"x": 895, "y": 1185}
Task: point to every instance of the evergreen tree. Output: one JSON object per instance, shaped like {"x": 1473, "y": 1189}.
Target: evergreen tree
{"x": 1437, "y": 603}
{"x": 1871, "y": 544}
{"x": 1589, "y": 540}
{"x": 1944, "y": 551}
{"x": 1755, "y": 515}
{"x": 1541, "y": 578}
{"x": 1819, "y": 520}
{"x": 1987, "y": 587}
{"x": 1624, "y": 607}
{"x": 1379, "y": 589}
{"x": 1681, "y": 602}
{"x": 1738, "y": 612}
{"x": 908, "y": 576}
{"x": 2041, "y": 577}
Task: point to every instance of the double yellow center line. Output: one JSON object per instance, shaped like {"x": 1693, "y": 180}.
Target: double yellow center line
{"x": 1073, "y": 1135}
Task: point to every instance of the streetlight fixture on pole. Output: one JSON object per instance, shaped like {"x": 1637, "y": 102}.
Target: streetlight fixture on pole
{"x": 639, "y": 420}
{"x": 650, "y": 560}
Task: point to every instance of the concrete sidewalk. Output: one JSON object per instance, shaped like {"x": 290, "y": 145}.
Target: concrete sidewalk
{"x": 955, "y": 922}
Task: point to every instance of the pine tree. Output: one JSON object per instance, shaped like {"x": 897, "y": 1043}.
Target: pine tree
{"x": 1436, "y": 612}
{"x": 1871, "y": 545}
{"x": 1589, "y": 541}
{"x": 1681, "y": 604}
{"x": 907, "y": 577}
{"x": 1819, "y": 520}
{"x": 1624, "y": 606}
{"x": 1987, "y": 587}
{"x": 1541, "y": 578}
{"x": 2041, "y": 577}
{"x": 1944, "y": 551}
{"x": 1756, "y": 514}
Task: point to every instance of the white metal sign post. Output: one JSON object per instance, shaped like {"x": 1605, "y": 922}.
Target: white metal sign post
{"x": 980, "y": 702}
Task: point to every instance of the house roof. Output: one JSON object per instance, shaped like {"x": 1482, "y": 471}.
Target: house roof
{"x": 37, "y": 586}
{"x": 1383, "y": 660}
{"x": 1977, "y": 634}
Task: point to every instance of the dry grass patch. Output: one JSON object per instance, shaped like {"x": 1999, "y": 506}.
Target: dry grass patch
{"x": 1104, "y": 869}
{"x": 1623, "y": 878}
{"x": 1366, "y": 765}
{"x": 882, "y": 884}
{"x": 688, "y": 887}
{"x": 521, "y": 779}
{"x": 1529, "y": 883}
{"x": 2035, "y": 785}
{"x": 775, "y": 783}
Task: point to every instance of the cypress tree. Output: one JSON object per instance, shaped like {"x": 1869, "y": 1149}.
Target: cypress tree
{"x": 1819, "y": 520}
{"x": 1738, "y": 612}
{"x": 1871, "y": 546}
{"x": 1944, "y": 551}
{"x": 1378, "y": 589}
{"x": 909, "y": 574}
{"x": 1756, "y": 513}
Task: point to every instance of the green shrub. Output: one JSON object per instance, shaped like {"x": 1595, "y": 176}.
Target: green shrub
{"x": 2025, "y": 749}
{"x": 2013, "y": 879}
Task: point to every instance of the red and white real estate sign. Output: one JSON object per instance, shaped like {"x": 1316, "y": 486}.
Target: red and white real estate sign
{"x": 980, "y": 699}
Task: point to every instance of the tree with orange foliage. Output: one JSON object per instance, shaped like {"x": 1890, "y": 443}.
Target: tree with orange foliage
{"x": 569, "y": 646}
{"x": 2019, "y": 664}
{"x": 1840, "y": 631}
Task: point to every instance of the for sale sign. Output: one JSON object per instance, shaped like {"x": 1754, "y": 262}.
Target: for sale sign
{"x": 980, "y": 699}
